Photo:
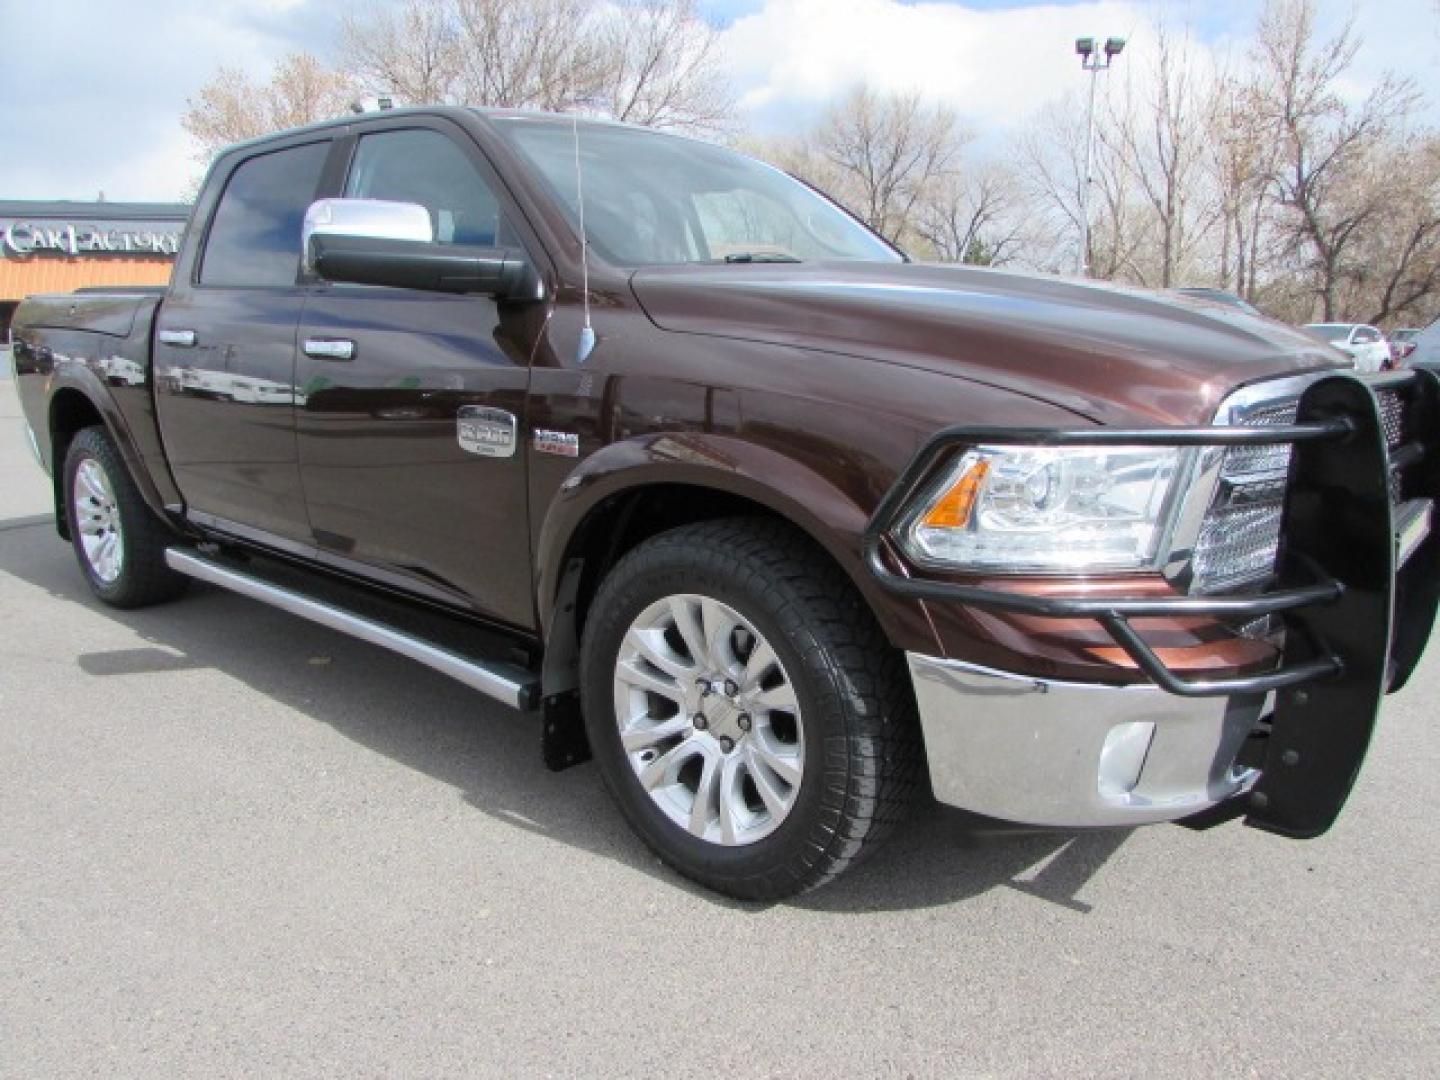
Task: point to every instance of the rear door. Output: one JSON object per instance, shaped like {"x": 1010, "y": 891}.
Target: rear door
{"x": 224, "y": 357}
{"x": 411, "y": 405}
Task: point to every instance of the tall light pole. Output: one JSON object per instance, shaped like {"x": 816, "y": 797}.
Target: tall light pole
{"x": 1094, "y": 58}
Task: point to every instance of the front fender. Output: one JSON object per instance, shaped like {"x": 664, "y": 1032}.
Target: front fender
{"x": 829, "y": 515}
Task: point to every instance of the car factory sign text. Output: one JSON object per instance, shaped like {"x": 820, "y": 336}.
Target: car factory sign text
{"x": 20, "y": 238}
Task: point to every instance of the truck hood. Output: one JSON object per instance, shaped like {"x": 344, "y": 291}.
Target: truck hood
{"x": 1114, "y": 355}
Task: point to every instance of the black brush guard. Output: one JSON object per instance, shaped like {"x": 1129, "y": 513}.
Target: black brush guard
{"x": 1356, "y": 621}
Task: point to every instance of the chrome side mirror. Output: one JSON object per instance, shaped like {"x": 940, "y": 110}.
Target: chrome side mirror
{"x": 372, "y": 219}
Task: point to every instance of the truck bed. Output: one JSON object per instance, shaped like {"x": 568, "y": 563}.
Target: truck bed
{"x": 86, "y": 356}
{"x": 109, "y": 311}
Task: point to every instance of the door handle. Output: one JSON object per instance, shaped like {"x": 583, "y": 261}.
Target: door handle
{"x": 184, "y": 339}
{"x": 330, "y": 348}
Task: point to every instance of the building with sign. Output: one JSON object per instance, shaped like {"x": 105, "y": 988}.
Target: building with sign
{"x": 60, "y": 246}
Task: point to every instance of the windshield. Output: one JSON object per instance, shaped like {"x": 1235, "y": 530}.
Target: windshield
{"x": 654, "y": 199}
{"x": 1330, "y": 331}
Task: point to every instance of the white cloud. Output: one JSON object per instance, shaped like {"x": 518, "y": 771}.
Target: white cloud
{"x": 995, "y": 63}
{"x": 994, "y": 66}
{"x": 94, "y": 89}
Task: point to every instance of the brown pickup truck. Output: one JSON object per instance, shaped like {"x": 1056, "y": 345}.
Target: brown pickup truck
{"x": 784, "y": 529}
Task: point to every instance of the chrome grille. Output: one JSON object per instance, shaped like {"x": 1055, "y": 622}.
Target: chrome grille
{"x": 1242, "y": 461}
{"x": 1240, "y": 535}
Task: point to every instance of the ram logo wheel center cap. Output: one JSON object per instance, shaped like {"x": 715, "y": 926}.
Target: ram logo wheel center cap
{"x": 722, "y": 715}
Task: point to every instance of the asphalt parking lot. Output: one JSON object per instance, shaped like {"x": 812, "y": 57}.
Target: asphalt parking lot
{"x": 235, "y": 843}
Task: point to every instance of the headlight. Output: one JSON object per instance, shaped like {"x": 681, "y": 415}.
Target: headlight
{"x": 1020, "y": 509}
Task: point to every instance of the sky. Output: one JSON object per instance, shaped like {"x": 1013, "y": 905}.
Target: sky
{"x": 93, "y": 90}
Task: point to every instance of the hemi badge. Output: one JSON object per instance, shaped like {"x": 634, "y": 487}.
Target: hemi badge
{"x": 485, "y": 431}
{"x": 561, "y": 443}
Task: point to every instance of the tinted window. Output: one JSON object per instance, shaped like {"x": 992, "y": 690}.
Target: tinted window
{"x": 1366, "y": 336}
{"x": 255, "y": 236}
{"x": 653, "y": 198}
{"x": 425, "y": 167}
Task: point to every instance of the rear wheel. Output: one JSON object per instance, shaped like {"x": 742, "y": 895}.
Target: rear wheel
{"x": 747, "y": 713}
{"x": 118, "y": 540}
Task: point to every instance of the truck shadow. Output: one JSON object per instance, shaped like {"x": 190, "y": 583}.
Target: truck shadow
{"x": 491, "y": 756}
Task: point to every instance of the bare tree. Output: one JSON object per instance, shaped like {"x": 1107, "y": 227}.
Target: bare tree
{"x": 232, "y": 106}
{"x": 414, "y": 53}
{"x": 1159, "y": 136}
{"x": 974, "y": 217}
{"x": 1328, "y": 146}
{"x": 1397, "y": 274}
{"x": 1050, "y": 155}
{"x": 535, "y": 54}
{"x": 887, "y": 151}
{"x": 651, "y": 62}
{"x": 1244, "y": 156}
{"x": 662, "y": 68}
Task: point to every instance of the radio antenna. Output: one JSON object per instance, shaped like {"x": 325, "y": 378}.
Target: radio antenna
{"x": 587, "y": 332}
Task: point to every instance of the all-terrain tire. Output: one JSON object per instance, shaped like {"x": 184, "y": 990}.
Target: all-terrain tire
{"x": 134, "y": 573}
{"x": 862, "y": 756}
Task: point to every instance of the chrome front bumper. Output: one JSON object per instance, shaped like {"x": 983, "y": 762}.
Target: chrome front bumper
{"x": 1076, "y": 754}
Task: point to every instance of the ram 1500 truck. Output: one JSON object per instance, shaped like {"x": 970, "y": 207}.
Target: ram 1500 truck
{"x": 783, "y": 528}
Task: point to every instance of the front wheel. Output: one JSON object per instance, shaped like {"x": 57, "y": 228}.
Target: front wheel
{"x": 748, "y": 715}
{"x": 118, "y": 540}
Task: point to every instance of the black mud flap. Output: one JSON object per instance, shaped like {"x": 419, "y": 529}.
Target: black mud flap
{"x": 563, "y": 742}
{"x": 1340, "y": 522}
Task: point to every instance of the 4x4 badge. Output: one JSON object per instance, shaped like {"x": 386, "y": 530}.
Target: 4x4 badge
{"x": 562, "y": 443}
{"x": 485, "y": 431}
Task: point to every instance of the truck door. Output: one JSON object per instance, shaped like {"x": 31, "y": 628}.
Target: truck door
{"x": 411, "y": 405}
{"x": 224, "y": 357}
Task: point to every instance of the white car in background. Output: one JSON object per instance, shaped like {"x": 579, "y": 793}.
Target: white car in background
{"x": 1365, "y": 343}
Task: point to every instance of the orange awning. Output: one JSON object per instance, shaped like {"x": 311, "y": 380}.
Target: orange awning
{"x": 43, "y": 273}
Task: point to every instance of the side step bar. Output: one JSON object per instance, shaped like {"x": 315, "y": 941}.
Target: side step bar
{"x": 505, "y": 682}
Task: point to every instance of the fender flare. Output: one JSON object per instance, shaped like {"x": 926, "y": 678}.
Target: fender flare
{"x": 77, "y": 378}
{"x": 828, "y": 515}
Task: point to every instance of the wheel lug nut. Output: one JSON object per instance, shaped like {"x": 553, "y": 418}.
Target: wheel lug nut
{"x": 744, "y": 721}
{"x": 727, "y": 744}
{"x": 700, "y": 721}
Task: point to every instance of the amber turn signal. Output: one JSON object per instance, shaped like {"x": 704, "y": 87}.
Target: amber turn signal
{"x": 952, "y": 510}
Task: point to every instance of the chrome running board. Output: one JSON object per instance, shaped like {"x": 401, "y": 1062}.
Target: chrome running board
{"x": 505, "y": 682}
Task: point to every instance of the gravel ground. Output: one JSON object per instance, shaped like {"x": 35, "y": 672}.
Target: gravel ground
{"x": 234, "y": 843}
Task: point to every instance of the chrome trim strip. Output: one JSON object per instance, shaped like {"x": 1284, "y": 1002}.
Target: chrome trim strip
{"x": 180, "y": 339}
{"x": 506, "y": 683}
{"x": 1071, "y": 754}
{"x": 330, "y": 348}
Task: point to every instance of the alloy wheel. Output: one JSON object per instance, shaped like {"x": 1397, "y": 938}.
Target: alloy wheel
{"x": 97, "y": 516}
{"x": 709, "y": 719}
